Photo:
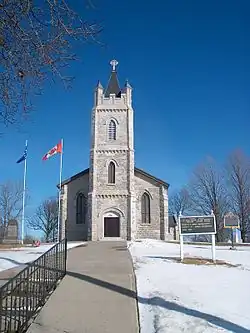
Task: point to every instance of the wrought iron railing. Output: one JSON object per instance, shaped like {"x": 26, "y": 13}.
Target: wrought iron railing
{"x": 23, "y": 295}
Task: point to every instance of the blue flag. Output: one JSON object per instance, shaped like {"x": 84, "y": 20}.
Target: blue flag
{"x": 23, "y": 158}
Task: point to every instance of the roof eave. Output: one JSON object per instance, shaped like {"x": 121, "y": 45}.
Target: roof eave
{"x": 79, "y": 174}
{"x": 146, "y": 174}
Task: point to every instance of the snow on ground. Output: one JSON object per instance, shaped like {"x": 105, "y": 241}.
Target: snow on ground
{"x": 21, "y": 256}
{"x": 175, "y": 297}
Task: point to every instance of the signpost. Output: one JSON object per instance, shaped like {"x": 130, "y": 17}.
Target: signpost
{"x": 232, "y": 222}
{"x": 197, "y": 225}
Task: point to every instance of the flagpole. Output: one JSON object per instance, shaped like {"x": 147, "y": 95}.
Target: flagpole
{"x": 24, "y": 194}
{"x": 59, "y": 196}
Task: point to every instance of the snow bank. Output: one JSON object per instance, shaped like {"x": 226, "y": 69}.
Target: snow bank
{"x": 21, "y": 256}
{"x": 175, "y": 297}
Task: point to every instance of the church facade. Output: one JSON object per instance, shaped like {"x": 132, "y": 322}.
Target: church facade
{"x": 112, "y": 199}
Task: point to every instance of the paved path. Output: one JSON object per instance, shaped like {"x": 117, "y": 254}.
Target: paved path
{"x": 97, "y": 295}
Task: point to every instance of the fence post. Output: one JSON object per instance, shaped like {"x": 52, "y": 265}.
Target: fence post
{"x": 57, "y": 268}
{"x": 27, "y": 298}
{"x": 65, "y": 256}
{"x": 44, "y": 277}
{"x": 1, "y": 310}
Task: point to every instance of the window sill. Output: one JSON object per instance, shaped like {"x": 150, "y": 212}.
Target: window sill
{"x": 111, "y": 184}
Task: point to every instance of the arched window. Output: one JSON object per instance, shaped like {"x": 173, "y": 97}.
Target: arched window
{"x": 145, "y": 208}
{"x": 111, "y": 173}
{"x": 80, "y": 208}
{"x": 112, "y": 130}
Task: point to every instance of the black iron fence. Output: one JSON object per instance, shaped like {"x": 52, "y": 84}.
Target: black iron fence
{"x": 22, "y": 296}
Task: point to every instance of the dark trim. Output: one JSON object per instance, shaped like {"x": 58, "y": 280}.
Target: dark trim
{"x": 144, "y": 173}
{"x": 140, "y": 171}
{"x": 145, "y": 209}
{"x": 76, "y": 176}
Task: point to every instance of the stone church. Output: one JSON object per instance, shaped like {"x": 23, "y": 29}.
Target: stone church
{"x": 113, "y": 199}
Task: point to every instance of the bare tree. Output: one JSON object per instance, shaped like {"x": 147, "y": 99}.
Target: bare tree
{"x": 36, "y": 43}
{"x": 45, "y": 219}
{"x": 180, "y": 201}
{"x": 208, "y": 193}
{"x": 238, "y": 168}
{"x": 11, "y": 194}
{"x": 28, "y": 239}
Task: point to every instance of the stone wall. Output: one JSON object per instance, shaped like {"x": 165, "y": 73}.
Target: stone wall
{"x": 76, "y": 232}
{"x": 105, "y": 197}
{"x": 111, "y": 204}
{"x": 120, "y": 159}
{"x": 165, "y": 231}
{"x": 151, "y": 230}
{"x": 64, "y": 210}
{"x": 102, "y": 119}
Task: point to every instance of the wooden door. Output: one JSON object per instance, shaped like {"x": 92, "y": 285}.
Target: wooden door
{"x": 111, "y": 227}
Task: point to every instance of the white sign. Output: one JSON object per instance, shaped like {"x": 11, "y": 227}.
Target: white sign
{"x": 197, "y": 225}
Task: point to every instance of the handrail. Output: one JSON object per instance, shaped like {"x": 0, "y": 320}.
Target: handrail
{"x": 25, "y": 293}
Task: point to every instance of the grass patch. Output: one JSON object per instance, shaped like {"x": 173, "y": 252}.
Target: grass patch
{"x": 12, "y": 246}
{"x": 194, "y": 261}
{"x": 203, "y": 261}
{"x": 207, "y": 243}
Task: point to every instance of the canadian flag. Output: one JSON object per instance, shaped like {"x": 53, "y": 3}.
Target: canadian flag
{"x": 56, "y": 149}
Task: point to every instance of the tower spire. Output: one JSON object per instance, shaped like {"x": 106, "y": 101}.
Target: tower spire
{"x": 113, "y": 84}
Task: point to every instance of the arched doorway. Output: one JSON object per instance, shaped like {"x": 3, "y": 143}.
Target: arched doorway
{"x": 111, "y": 225}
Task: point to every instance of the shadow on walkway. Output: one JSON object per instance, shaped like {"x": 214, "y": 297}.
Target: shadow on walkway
{"x": 158, "y": 301}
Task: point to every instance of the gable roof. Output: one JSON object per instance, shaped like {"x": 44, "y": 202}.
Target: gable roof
{"x": 136, "y": 170}
{"x": 148, "y": 175}
{"x": 74, "y": 177}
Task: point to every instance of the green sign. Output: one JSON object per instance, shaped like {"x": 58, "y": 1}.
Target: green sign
{"x": 231, "y": 221}
{"x": 194, "y": 225}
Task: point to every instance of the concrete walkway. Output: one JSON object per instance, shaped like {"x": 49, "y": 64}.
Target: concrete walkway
{"x": 97, "y": 295}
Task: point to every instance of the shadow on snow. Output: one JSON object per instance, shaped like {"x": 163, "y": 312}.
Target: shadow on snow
{"x": 158, "y": 301}
{"x": 15, "y": 262}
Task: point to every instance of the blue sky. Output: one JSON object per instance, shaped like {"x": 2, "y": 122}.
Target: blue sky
{"x": 188, "y": 63}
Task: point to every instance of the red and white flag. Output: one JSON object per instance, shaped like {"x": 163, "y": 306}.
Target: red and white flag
{"x": 53, "y": 151}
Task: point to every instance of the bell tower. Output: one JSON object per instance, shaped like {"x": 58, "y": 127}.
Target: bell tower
{"x": 111, "y": 198}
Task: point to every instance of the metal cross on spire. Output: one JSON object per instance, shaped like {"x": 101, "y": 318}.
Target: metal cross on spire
{"x": 113, "y": 63}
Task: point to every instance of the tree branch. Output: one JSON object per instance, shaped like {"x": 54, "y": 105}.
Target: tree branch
{"x": 36, "y": 43}
{"x": 45, "y": 218}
